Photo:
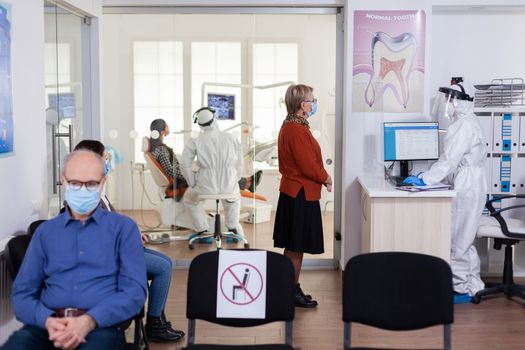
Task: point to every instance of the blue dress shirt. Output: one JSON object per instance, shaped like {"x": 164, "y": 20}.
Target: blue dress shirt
{"x": 97, "y": 265}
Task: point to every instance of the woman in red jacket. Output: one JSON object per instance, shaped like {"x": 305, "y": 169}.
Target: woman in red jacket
{"x": 298, "y": 225}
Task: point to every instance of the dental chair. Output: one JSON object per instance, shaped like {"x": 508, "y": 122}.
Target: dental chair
{"x": 171, "y": 214}
{"x": 218, "y": 234}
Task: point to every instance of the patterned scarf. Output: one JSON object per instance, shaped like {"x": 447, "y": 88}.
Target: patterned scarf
{"x": 291, "y": 118}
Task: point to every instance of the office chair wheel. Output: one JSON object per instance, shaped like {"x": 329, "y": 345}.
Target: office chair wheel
{"x": 246, "y": 245}
{"x": 476, "y": 299}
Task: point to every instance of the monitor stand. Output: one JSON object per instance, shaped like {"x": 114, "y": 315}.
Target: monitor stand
{"x": 403, "y": 168}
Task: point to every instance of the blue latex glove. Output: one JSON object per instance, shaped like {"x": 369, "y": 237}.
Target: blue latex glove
{"x": 414, "y": 181}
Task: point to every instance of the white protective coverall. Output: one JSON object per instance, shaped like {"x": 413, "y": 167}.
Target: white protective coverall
{"x": 461, "y": 164}
{"x": 219, "y": 159}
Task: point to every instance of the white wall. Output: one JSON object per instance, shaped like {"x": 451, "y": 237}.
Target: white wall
{"x": 22, "y": 176}
{"x": 362, "y": 135}
{"x": 487, "y": 46}
{"x": 315, "y": 35}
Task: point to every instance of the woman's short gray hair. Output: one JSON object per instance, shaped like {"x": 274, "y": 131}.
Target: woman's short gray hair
{"x": 68, "y": 157}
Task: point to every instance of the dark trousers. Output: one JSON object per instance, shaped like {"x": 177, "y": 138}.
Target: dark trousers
{"x": 32, "y": 338}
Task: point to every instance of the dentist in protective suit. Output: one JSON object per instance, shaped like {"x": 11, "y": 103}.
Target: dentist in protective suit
{"x": 461, "y": 164}
{"x": 219, "y": 159}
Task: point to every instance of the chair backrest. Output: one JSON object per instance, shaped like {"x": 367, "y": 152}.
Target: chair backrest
{"x": 202, "y": 291}
{"x": 16, "y": 249}
{"x": 398, "y": 291}
{"x": 159, "y": 176}
{"x": 33, "y": 226}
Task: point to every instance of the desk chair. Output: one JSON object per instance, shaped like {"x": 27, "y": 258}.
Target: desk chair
{"x": 15, "y": 251}
{"x": 202, "y": 286}
{"x": 218, "y": 234}
{"x": 508, "y": 232}
{"x": 397, "y": 291}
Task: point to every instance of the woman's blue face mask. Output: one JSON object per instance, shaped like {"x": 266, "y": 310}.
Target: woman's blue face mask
{"x": 314, "y": 109}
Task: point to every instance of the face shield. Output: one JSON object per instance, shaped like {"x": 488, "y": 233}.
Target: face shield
{"x": 446, "y": 101}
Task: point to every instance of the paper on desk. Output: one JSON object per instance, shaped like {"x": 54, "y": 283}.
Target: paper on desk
{"x": 435, "y": 187}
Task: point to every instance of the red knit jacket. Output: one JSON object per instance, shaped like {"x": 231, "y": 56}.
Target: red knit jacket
{"x": 300, "y": 162}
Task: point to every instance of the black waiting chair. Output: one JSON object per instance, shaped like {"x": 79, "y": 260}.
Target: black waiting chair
{"x": 397, "y": 291}
{"x": 15, "y": 251}
{"x": 507, "y": 232}
{"x": 202, "y": 299}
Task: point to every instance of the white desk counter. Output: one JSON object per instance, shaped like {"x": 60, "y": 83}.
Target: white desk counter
{"x": 394, "y": 220}
{"x": 378, "y": 187}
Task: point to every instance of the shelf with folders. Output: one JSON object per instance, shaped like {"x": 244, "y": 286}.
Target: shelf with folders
{"x": 504, "y": 135}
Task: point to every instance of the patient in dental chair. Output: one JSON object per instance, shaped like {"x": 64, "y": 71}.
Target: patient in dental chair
{"x": 167, "y": 159}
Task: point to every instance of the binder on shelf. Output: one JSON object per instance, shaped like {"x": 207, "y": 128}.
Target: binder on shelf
{"x": 506, "y": 133}
{"x": 505, "y": 172}
{"x": 488, "y": 172}
{"x": 522, "y": 134}
{"x": 518, "y": 175}
{"x": 486, "y": 128}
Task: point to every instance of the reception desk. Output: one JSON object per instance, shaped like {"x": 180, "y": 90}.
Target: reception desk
{"x": 394, "y": 220}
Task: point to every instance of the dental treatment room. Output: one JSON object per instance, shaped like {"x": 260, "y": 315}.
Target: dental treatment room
{"x": 304, "y": 174}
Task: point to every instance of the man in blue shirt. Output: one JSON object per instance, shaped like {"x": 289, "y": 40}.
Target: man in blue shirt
{"x": 84, "y": 271}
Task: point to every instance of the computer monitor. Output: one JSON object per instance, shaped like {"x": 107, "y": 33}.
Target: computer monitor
{"x": 223, "y": 104}
{"x": 66, "y": 104}
{"x": 405, "y": 141}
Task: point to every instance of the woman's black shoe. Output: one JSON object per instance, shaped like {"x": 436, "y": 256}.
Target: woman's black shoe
{"x": 298, "y": 288}
{"x": 301, "y": 300}
{"x": 156, "y": 331}
{"x": 168, "y": 326}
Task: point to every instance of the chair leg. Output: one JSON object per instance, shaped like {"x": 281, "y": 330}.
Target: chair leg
{"x": 507, "y": 285}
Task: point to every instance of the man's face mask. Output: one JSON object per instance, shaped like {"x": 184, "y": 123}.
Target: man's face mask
{"x": 82, "y": 197}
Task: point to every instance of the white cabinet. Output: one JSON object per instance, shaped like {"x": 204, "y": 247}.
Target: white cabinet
{"x": 504, "y": 133}
{"x": 388, "y": 222}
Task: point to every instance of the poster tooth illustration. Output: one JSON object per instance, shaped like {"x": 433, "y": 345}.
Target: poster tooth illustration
{"x": 389, "y": 57}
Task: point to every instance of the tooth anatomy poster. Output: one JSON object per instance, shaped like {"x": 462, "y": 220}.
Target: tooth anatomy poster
{"x": 6, "y": 105}
{"x": 389, "y": 61}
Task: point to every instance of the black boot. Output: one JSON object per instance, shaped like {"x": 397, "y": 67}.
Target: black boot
{"x": 298, "y": 286}
{"x": 169, "y": 327}
{"x": 156, "y": 331}
{"x": 301, "y": 300}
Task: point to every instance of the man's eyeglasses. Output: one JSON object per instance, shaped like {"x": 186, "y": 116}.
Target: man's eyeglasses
{"x": 312, "y": 100}
{"x": 77, "y": 185}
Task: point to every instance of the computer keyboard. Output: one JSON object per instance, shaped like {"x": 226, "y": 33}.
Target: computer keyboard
{"x": 396, "y": 180}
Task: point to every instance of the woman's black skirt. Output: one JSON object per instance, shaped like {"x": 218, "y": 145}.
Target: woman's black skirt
{"x": 298, "y": 225}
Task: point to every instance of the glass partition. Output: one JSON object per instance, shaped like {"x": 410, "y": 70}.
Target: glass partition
{"x": 66, "y": 60}
{"x": 169, "y": 65}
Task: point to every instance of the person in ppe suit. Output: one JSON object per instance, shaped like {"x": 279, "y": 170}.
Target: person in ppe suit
{"x": 219, "y": 159}
{"x": 461, "y": 164}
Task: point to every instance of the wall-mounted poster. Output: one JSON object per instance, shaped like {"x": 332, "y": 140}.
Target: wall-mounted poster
{"x": 389, "y": 61}
{"x": 6, "y": 101}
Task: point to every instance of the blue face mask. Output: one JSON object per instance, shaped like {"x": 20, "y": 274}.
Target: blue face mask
{"x": 82, "y": 201}
{"x": 107, "y": 167}
{"x": 314, "y": 109}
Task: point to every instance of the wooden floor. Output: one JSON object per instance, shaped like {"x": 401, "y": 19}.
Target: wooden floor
{"x": 494, "y": 324}
{"x": 259, "y": 236}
